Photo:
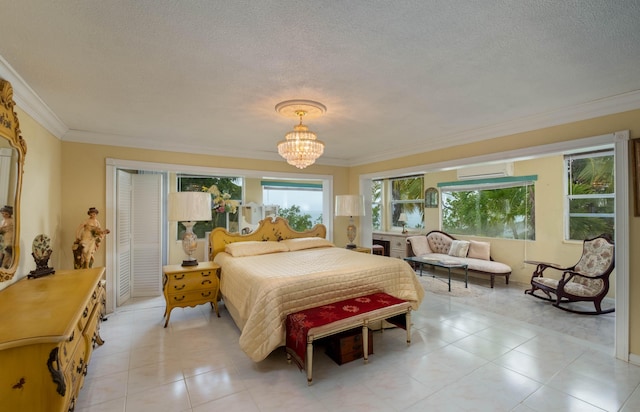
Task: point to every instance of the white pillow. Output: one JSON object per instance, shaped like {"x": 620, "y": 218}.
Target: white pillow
{"x": 459, "y": 248}
{"x": 306, "y": 243}
{"x": 480, "y": 250}
{"x": 254, "y": 247}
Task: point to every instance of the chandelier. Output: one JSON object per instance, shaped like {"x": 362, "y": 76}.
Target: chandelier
{"x": 300, "y": 147}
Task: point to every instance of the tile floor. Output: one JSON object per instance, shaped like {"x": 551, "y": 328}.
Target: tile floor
{"x": 500, "y": 351}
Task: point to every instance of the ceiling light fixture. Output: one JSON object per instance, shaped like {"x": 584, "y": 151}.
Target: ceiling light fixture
{"x": 301, "y": 147}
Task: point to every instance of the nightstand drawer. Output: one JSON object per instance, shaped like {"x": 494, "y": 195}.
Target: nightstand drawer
{"x": 199, "y": 296}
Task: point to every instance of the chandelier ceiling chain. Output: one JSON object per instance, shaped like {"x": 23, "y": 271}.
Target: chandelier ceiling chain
{"x": 301, "y": 147}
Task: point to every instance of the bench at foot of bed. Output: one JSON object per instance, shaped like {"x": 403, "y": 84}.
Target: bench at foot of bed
{"x": 304, "y": 327}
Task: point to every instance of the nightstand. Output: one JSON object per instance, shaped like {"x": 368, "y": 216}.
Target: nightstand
{"x": 190, "y": 286}
{"x": 362, "y": 249}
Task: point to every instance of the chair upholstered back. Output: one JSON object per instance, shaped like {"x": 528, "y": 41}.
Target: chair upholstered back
{"x": 597, "y": 257}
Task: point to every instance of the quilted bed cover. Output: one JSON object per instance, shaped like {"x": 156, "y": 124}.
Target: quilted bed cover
{"x": 264, "y": 289}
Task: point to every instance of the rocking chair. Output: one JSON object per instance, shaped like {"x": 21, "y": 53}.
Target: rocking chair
{"x": 587, "y": 280}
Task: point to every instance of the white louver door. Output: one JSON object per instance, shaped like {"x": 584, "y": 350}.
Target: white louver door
{"x": 147, "y": 235}
{"x": 123, "y": 219}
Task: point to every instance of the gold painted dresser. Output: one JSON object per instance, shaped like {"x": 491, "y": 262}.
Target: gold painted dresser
{"x": 49, "y": 328}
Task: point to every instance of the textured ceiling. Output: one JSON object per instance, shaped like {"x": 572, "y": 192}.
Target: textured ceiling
{"x": 397, "y": 77}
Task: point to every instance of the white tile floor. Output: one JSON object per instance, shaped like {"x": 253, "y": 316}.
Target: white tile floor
{"x": 486, "y": 353}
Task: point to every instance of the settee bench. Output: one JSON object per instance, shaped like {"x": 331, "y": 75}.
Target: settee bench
{"x": 306, "y": 326}
{"x": 442, "y": 246}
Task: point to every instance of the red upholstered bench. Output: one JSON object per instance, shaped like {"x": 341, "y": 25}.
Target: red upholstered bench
{"x": 307, "y": 325}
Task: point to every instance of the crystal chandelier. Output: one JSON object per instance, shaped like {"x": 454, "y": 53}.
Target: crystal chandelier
{"x": 301, "y": 147}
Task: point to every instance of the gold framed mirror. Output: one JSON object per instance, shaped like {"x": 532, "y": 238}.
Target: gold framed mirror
{"x": 12, "y": 152}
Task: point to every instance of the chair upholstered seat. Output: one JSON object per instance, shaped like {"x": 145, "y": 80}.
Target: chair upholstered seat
{"x": 587, "y": 280}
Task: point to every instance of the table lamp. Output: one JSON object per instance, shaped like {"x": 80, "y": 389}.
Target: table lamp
{"x": 403, "y": 221}
{"x": 189, "y": 208}
{"x": 350, "y": 205}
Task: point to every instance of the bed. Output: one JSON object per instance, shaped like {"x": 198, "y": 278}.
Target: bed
{"x": 274, "y": 271}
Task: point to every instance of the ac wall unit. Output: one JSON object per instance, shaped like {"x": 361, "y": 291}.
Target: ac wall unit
{"x": 486, "y": 171}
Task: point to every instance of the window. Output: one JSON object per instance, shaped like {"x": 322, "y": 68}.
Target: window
{"x": 299, "y": 203}
{"x": 226, "y": 197}
{"x": 590, "y": 195}
{"x": 391, "y": 197}
{"x": 501, "y": 208}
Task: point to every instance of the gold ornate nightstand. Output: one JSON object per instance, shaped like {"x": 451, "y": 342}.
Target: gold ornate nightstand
{"x": 362, "y": 249}
{"x": 190, "y": 286}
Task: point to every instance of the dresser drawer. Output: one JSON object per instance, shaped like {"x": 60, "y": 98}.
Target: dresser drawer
{"x": 68, "y": 348}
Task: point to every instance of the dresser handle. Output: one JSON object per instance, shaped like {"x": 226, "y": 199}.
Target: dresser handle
{"x": 179, "y": 287}
{"x": 85, "y": 313}
{"x": 95, "y": 295}
{"x": 205, "y": 274}
{"x": 206, "y": 294}
{"x": 179, "y": 277}
{"x": 206, "y": 282}
{"x": 178, "y": 298}
{"x": 79, "y": 368}
{"x": 72, "y": 336}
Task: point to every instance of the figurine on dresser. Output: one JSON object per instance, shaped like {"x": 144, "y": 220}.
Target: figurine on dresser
{"x": 88, "y": 237}
{"x": 41, "y": 252}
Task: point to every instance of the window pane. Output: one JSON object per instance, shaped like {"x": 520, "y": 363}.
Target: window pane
{"x": 376, "y": 204}
{"x": 502, "y": 213}
{"x": 585, "y": 227}
{"x": 592, "y": 205}
{"x": 589, "y": 177}
{"x": 302, "y": 207}
{"x": 414, "y": 212}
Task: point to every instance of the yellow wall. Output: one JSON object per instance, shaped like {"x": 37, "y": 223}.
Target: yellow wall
{"x": 40, "y": 208}
{"x": 63, "y": 179}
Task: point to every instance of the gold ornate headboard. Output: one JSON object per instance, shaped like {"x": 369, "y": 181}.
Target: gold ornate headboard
{"x": 268, "y": 229}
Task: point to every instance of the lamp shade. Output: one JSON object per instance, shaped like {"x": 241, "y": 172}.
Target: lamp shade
{"x": 189, "y": 206}
{"x": 349, "y": 205}
{"x": 402, "y": 218}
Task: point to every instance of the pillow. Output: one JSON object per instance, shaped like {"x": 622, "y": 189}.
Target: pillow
{"x": 306, "y": 243}
{"x": 255, "y": 247}
{"x": 479, "y": 250}
{"x": 419, "y": 245}
{"x": 459, "y": 248}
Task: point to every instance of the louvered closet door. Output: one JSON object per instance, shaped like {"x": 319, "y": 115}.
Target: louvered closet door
{"x": 123, "y": 219}
{"x": 147, "y": 235}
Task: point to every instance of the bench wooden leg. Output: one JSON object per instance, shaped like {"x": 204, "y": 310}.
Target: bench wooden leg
{"x": 408, "y": 326}
{"x": 309, "y": 361}
{"x": 365, "y": 341}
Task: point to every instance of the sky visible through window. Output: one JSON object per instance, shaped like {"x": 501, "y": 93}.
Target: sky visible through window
{"x": 309, "y": 201}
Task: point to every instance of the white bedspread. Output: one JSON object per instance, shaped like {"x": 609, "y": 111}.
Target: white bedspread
{"x": 264, "y": 289}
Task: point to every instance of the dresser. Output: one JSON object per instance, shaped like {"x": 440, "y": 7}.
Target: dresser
{"x": 395, "y": 243}
{"x": 50, "y": 327}
{"x": 190, "y": 286}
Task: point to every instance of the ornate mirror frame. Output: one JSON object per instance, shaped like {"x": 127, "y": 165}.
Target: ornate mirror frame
{"x": 431, "y": 197}
{"x": 10, "y": 131}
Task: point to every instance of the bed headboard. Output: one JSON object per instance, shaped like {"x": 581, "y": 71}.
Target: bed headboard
{"x": 268, "y": 229}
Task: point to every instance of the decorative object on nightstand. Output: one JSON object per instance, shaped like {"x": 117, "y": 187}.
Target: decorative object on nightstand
{"x": 190, "y": 286}
{"x": 188, "y": 208}
{"x": 41, "y": 252}
{"x": 402, "y": 220}
{"x": 350, "y": 205}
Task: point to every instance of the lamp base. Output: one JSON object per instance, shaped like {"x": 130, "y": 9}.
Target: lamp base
{"x": 192, "y": 262}
{"x": 351, "y": 246}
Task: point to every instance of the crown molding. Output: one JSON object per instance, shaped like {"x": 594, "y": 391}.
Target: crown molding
{"x": 601, "y": 107}
{"x": 29, "y": 101}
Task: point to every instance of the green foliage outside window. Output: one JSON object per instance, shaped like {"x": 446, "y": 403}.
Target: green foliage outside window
{"x": 297, "y": 220}
{"x": 229, "y": 185}
{"x": 591, "y": 197}
{"x": 501, "y": 213}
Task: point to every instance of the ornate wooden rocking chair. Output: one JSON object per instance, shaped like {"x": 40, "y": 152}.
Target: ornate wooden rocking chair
{"x": 587, "y": 280}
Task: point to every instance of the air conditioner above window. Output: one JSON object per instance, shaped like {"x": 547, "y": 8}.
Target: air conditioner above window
{"x": 486, "y": 171}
